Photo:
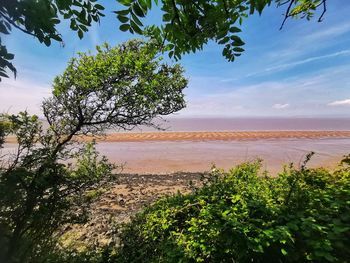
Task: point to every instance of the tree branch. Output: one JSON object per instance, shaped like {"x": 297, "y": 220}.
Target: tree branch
{"x": 15, "y": 25}
{"x": 324, "y": 10}
{"x": 287, "y": 13}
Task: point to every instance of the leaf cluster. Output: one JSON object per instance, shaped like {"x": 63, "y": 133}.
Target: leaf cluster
{"x": 40, "y": 18}
{"x": 240, "y": 216}
{"x": 118, "y": 87}
{"x": 39, "y": 193}
{"x": 188, "y": 25}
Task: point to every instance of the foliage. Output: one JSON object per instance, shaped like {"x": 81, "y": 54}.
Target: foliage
{"x": 39, "y": 193}
{"x": 188, "y": 25}
{"x": 4, "y": 130}
{"x": 118, "y": 87}
{"x": 240, "y": 216}
{"x": 5, "y": 60}
{"x": 2, "y": 134}
{"x": 41, "y": 18}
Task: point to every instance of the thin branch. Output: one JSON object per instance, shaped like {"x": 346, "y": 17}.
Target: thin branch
{"x": 324, "y": 11}
{"x": 285, "y": 2}
{"x": 287, "y": 13}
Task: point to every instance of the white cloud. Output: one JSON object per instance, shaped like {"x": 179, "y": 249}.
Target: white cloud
{"x": 285, "y": 66}
{"x": 19, "y": 95}
{"x": 340, "y": 103}
{"x": 280, "y": 106}
{"x": 306, "y": 95}
{"x": 328, "y": 33}
{"x": 302, "y": 45}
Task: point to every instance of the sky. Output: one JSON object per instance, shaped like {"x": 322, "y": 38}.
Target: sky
{"x": 302, "y": 70}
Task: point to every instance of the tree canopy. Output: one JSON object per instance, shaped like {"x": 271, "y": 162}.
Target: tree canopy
{"x": 186, "y": 25}
{"x": 40, "y": 19}
{"x": 119, "y": 87}
{"x": 189, "y": 25}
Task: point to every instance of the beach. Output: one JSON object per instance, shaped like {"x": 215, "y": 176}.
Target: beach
{"x": 199, "y": 155}
{"x": 220, "y": 136}
{"x": 196, "y": 144}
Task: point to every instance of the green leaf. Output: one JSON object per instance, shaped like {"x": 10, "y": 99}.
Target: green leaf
{"x": 123, "y": 19}
{"x": 99, "y": 7}
{"x": 224, "y": 40}
{"x": 122, "y": 12}
{"x": 80, "y": 33}
{"x": 236, "y": 38}
{"x": 136, "y": 20}
{"x": 221, "y": 34}
{"x": 238, "y": 49}
{"x": 124, "y": 27}
{"x": 135, "y": 27}
{"x": 9, "y": 56}
{"x": 3, "y": 29}
{"x": 125, "y": 2}
{"x": 137, "y": 9}
{"x": 47, "y": 41}
{"x": 235, "y": 30}
{"x": 55, "y": 21}
{"x": 143, "y": 4}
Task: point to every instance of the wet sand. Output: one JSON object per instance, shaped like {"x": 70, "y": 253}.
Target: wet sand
{"x": 167, "y": 152}
{"x": 221, "y": 136}
{"x": 188, "y": 156}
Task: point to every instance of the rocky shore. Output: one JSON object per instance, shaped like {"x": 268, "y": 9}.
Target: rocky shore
{"x": 118, "y": 200}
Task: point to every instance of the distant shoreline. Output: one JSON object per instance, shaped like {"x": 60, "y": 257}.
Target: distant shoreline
{"x": 210, "y": 136}
{"x": 219, "y": 136}
{"x": 167, "y": 152}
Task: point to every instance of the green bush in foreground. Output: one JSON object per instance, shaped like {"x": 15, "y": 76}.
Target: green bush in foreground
{"x": 239, "y": 216}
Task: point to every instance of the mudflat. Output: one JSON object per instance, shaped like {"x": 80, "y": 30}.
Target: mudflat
{"x": 221, "y": 135}
{"x": 168, "y": 152}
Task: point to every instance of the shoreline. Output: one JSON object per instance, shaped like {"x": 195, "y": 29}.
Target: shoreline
{"x": 217, "y": 136}
{"x": 167, "y": 152}
{"x": 208, "y": 136}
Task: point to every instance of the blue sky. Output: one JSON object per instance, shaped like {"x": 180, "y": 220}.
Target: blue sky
{"x": 302, "y": 70}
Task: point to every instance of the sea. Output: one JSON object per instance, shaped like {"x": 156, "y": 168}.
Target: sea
{"x": 251, "y": 124}
{"x": 164, "y": 157}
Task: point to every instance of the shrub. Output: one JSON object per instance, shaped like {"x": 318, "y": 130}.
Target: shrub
{"x": 240, "y": 216}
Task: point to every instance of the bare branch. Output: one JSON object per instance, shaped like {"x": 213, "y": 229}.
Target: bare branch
{"x": 287, "y": 13}
{"x": 324, "y": 11}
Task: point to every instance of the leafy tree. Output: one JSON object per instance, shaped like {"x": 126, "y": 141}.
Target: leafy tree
{"x": 119, "y": 87}
{"x": 187, "y": 25}
{"x": 241, "y": 216}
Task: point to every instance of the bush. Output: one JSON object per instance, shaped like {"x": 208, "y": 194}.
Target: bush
{"x": 240, "y": 216}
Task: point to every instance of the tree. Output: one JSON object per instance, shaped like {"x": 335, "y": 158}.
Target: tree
{"x": 187, "y": 25}
{"x": 119, "y": 87}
